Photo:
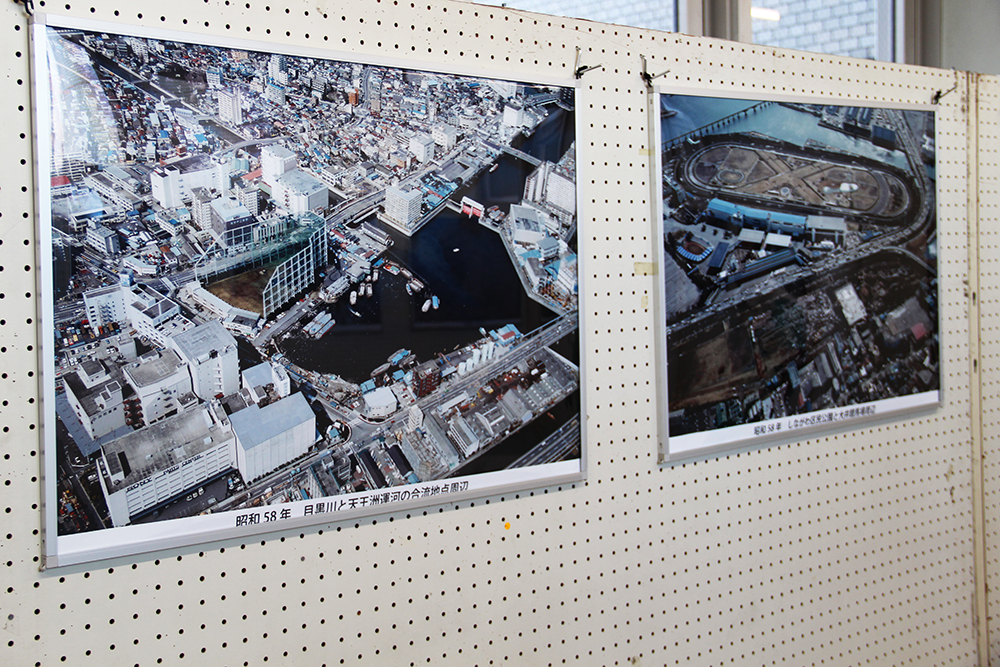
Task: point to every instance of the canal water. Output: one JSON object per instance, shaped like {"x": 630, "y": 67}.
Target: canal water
{"x": 775, "y": 120}
{"x": 460, "y": 261}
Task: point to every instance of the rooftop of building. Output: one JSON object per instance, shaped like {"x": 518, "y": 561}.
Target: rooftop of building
{"x": 255, "y": 426}
{"x": 259, "y": 375}
{"x": 196, "y": 162}
{"x": 278, "y": 151}
{"x": 229, "y": 208}
{"x": 101, "y": 291}
{"x": 301, "y": 181}
{"x": 203, "y": 340}
{"x": 92, "y": 381}
{"x": 153, "y": 367}
{"x": 149, "y": 302}
{"x": 167, "y": 443}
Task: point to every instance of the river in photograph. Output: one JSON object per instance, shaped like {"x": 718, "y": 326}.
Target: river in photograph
{"x": 460, "y": 261}
{"x": 774, "y": 120}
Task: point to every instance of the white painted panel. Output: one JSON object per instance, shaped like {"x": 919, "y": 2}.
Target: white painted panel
{"x": 854, "y": 548}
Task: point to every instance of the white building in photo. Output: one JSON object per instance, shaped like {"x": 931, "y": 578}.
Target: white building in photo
{"x": 102, "y": 239}
{"x": 402, "y": 207}
{"x": 148, "y": 311}
{"x": 95, "y": 394}
{"x": 210, "y": 353}
{"x": 275, "y": 160}
{"x": 147, "y": 468}
{"x": 422, "y": 147}
{"x": 104, "y": 306}
{"x": 513, "y": 115}
{"x": 270, "y": 437}
{"x": 380, "y": 403}
{"x": 257, "y": 378}
{"x": 275, "y": 93}
{"x": 230, "y": 109}
{"x": 445, "y": 136}
{"x": 201, "y": 207}
{"x": 162, "y": 384}
{"x": 414, "y": 419}
{"x": 249, "y": 196}
{"x": 172, "y": 185}
{"x": 527, "y": 225}
{"x": 463, "y": 436}
{"x": 299, "y": 192}
{"x": 556, "y": 192}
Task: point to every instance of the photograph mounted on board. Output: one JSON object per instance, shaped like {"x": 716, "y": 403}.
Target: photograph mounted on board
{"x": 799, "y": 264}
{"x": 286, "y": 289}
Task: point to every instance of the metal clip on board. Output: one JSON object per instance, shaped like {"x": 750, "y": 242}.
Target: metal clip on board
{"x": 579, "y": 70}
{"x": 646, "y": 76}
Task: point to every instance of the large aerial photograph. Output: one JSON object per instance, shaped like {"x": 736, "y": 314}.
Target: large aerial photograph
{"x": 287, "y": 286}
{"x": 799, "y": 269}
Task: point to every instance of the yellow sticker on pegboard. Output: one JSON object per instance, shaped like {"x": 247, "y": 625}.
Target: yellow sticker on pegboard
{"x": 645, "y": 268}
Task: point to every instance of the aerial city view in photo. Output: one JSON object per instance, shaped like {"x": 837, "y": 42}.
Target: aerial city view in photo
{"x": 800, "y": 261}
{"x": 286, "y": 280}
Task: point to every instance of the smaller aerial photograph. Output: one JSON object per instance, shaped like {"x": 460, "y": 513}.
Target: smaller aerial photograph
{"x": 800, "y": 266}
{"x": 285, "y": 286}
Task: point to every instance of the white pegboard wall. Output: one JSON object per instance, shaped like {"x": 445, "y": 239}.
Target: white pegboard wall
{"x": 988, "y": 167}
{"x": 849, "y": 548}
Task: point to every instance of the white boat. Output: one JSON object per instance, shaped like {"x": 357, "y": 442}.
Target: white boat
{"x": 354, "y": 297}
{"x": 427, "y": 306}
{"x": 368, "y": 289}
{"x": 375, "y": 276}
{"x": 325, "y": 328}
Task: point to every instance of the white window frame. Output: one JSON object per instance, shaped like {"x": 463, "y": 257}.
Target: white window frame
{"x": 909, "y": 31}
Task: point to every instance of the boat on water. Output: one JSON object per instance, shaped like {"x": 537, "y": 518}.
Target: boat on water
{"x": 409, "y": 289}
{"x": 494, "y": 167}
{"x": 398, "y": 355}
{"x": 668, "y": 113}
{"x": 354, "y": 312}
{"x": 368, "y": 289}
{"x": 454, "y": 249}
{"x": 354, "y": 297}
{"x": 324, "y": 329}
{"x": 435, "y": 302}
{"x": 427, "y": 306}
{"x": 375, "y": 276}
{"x": 317, "y": 323}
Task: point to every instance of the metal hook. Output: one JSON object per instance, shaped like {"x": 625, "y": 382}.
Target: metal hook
{"x": 579, "y": 70}
{"x": 646, "y": 76}
{"x": 29, "y": 6}
{"x": 939, "y": 94}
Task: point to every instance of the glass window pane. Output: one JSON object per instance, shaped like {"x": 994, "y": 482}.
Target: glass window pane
{"x": 844, "y": 28}
{"x": 655, "y": 14}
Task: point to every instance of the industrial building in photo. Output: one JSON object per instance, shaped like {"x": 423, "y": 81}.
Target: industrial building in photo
{"x": 271, "y": 436}
{"x": 146, "y": 468}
